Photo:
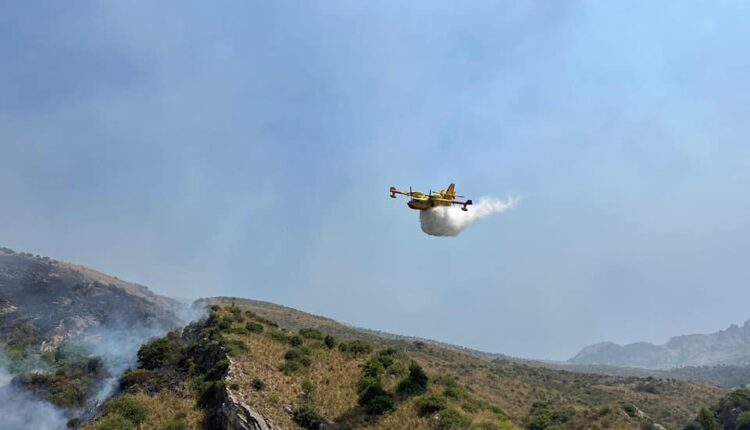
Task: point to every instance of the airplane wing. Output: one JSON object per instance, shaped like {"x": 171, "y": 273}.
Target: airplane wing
{"x": 454, "y": 202}
{"x": 464, "y": 204}
{"x": 409, "y": 193}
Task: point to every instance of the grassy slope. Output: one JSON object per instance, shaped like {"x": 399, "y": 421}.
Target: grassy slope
{"x": 596, "y": 401}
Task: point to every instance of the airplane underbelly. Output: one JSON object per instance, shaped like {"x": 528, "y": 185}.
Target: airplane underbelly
{"x": 418, "y": 205}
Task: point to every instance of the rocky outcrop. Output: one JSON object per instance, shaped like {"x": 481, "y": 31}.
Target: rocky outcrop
{"x": 239, "y": 416}
{"x": 70, "y": 328}
{"x": 236, "y": 414}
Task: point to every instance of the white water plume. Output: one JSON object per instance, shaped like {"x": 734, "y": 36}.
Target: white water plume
{"x": 450, "y": 220}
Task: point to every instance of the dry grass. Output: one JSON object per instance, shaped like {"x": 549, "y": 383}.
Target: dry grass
{"x": 162, "y": 409}
{"x": 506, "y": 388}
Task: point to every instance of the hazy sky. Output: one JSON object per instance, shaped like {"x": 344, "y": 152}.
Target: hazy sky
{"x": 246, "y": 148}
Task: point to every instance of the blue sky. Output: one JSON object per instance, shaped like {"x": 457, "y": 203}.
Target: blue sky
{"x": 246, "y": 148}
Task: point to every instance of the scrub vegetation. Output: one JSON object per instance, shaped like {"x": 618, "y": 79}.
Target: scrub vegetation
{"x": 302, "y": 371}
{"x": 732, "y": 412}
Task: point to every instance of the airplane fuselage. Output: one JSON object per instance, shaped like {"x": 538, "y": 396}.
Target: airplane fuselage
{"x": 424, "y": 203}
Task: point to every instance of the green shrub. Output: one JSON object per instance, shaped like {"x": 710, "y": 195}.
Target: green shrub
{"x": 296, "y": 353}
{"x": 279, "y": 336}
{"x": 417, "y": 375}
{"x": 365, "y": 382}
{"x": 430, "y": 404}
{"x": 743, "y": 421}
{"x": 257, "y": 384}
{"x": 356, "y": 347}
{"x": 211, "y": 394}
{"x": 23, "y": 336}
{"x": 218, "y": 371}
{"x": 386, "y": 357}
{"x": 254, "y": 327}
{"x": 68, "y": 395}
{"x": 372, "y": 368}
{"x": 296, "y": 358}
{"x": 407, "y": 388}
{"x": 114, "y": 422}
{"x": 544, "y": 416}
{"x": 330, "y": 342}
{"x": 630, "y": 410}
{"x": 489, "y": 425}
{"x": 308, "y": 388}
{"x": 311, "y": 333}
{"x": 307, "y": 417}
{"x": 373, "y": 397}
{"x": 235, "y": 311}
{"x": 127, "y": 407}
{"x": 415, "y": 383}
{"x": 133, "y": 377}
{"x": 451, "y": 419}
{"x": 222, "y": 322}
{"x": 234, "y": 347}
{"x": 647, "y": 387}
{"x": 176, "y": 424}
{"x": 296, "y": 340}
{"x": 379, "y": 405}
{"x": 455, "y": 392}
{"x": 707, "y": 420}
{"x": 159, "y": 352}
{"x": 471, "y": 406}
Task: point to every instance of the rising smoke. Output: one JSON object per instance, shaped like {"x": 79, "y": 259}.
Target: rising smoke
{"x": 116, "y": 345}
{"x": 19, "y": 411}
{"x": 450, "y": 221}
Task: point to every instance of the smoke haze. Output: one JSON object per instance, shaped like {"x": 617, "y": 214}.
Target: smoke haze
{"x": 116, "y": 345}
{"x": 451, "y": 221}
{"x": 18, "y": 411}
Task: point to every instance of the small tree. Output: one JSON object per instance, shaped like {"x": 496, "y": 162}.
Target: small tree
{"x": 307, "y": 417}
{"x": 430, "y": 404}
{"x": 330, "y": 342}
{"x": 707, "y": 420}
{"x": 743, "y": 421}
{"x": 415, "y": 383}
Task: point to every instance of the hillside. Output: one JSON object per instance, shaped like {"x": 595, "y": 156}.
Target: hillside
{"x": 68, "y": 329}
{"x": 54, "y": 302}
{"x": 291, "y": 319}
{"x": 732, "y": 412}
{"x": 725, "y": 347}
{"x": 66, "y": 334}
{"x": 288, "y": 369}
{"x": 723, "y": 376}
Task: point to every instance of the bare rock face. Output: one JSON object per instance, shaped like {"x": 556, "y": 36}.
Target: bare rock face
{"x": 239, "y": 416}
{"x": 56, "y": 302}
{"x": 236, "y": 414}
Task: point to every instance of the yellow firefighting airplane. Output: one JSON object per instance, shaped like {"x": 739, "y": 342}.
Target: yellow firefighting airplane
{"x": 422, "y": 201}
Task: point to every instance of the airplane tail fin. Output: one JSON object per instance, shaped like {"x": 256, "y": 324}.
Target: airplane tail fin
{"x": 451, "y": 190}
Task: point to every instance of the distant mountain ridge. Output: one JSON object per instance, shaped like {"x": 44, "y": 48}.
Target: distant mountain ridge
{"x": 725, "y": 347}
